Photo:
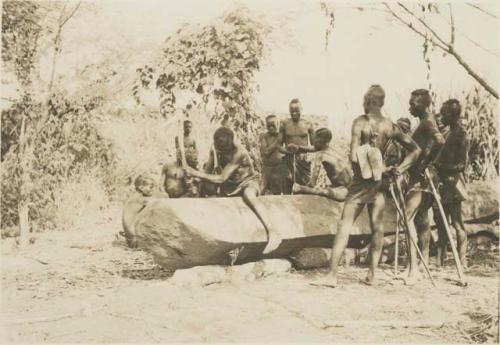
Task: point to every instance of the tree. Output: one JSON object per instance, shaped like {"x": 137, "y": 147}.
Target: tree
{"x": 417, "y": 23}
{"x": 212, "y": 66}
{"x": 23, "y": 26}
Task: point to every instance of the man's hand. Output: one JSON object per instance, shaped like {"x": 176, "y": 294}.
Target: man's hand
{"x": 392, "y": 171}
{"x": 190, "y": 171}
{"x": 292, "y": 148}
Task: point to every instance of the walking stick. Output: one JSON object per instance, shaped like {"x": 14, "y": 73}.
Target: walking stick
{"x": 294, "y": 167}
{"x": 401, "y": 208}
{"x": 396, "y": 252}
{"x": 458, "y": 264}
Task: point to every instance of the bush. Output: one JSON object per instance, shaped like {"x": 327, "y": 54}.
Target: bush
{"x": 67, "y": 147}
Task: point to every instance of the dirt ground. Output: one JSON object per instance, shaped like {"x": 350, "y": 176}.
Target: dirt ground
{"x": 86, "y": 286}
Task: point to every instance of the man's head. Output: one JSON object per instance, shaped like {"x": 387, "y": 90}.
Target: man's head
{"x": 405, "y": 124}
{"x": 374, "y": 98}
{"x": 450, "y": 112}
{"x": 295, "y": 108}
{"x": 144, "y": 184}
{"x": 272, "y": 124}
{"x": 420, "y": 100}
{"x": 322, "y": 138}
{"x": 188, "y": 127}
{"x": 224, "y": 139}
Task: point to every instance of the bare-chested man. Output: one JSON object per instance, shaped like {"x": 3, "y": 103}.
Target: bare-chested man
{"x": 371, "y": 127}
{"x": 238, "y": 178}
{"x": 419, "y": 198}
{"x": 450, "y": 164}
{"x": 296, "y": 132}
{"x": 334, "y": 164}
{"x": 273, "y": 169}
{"x": 190, "y": 149}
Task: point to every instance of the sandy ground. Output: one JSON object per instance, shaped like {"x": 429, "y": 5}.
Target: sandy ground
{"x": 86, "y": 286}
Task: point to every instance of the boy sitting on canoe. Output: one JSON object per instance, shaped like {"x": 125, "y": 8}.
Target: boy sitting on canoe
{"x": 237, "y": 178}
{"x": 335, "y": 165}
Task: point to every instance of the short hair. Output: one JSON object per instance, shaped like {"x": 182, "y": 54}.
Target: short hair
{"x": 454, "y": 107}
{"x": 272, "y": 116}
{"x": 141, "y": 180}
{"x": 223, "y": 131}
{"x": 424, "y": 94}
{"x": 404, "y": 123}
{"x": 324, "y": 133}
{"x": 375, "y": 93}
{"x": 188, "y": 121}
{"x": 294, "y": 101}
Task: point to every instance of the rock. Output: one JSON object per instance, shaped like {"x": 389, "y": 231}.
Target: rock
{"x": 311, "y": 258}
{"x": 199, "y": 276}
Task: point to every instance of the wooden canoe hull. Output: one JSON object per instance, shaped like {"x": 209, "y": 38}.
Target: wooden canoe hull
{"x": 182, "y": 233}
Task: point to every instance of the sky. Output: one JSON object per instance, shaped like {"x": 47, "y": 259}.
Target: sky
{"x": 366, "y": 47}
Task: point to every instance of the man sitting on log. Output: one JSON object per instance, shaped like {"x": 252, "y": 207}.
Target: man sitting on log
{"x": 335, "y": 166}
{"x": 237, "y": 178}
{"x": 375, "y": 129}
{"x": 450, "y": 164}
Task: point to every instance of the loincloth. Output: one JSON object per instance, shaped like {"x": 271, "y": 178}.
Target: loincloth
{"x": 453, "y": 189}
{"x": 274, "y": 177}
{"x": 231, "y": 188}
{"x": 362, "y": 191}
{"x": 418, "y": 182}
{"x": 301, "y": 168}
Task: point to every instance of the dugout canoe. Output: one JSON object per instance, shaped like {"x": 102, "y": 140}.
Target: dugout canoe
{"x": 182, "y": 233}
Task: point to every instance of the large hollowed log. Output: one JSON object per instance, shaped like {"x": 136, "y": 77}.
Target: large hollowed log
{"x": 183, "y": 233}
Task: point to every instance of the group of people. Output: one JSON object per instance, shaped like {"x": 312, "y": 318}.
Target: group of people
{"x": 436, "y": 148}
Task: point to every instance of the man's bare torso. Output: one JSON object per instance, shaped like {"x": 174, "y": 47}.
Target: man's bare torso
{"x": 371, "y": 125}
{"x": 241, "y": 157}
{"x": 275, "y": 157}
{"x": 296, "y": 132}
{"x": 336, "y": 167}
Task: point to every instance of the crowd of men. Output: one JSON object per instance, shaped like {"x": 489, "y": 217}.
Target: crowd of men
{"x": 436, "y": 148}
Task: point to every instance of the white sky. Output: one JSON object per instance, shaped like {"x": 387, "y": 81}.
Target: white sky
{"x": 365, "y": 48}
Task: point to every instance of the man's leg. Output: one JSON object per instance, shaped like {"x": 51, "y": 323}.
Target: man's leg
{"x": 455, "y": 210}
{"x": 337, "y": 194}
{"x": 413, "y": 202}
{"x": 422, "y": 223}
{"x": 376, "y": 216}
{"x": 250, "y": 198}
{"x": 442, "y": 236}
{"x": 350, "y": 213}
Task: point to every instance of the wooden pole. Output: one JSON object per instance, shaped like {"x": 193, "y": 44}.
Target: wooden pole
{"x": 458, "y": 264}
{"x": 401, "y": 208}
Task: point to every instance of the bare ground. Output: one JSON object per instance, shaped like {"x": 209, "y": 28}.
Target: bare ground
{"x": 86, "y": 286}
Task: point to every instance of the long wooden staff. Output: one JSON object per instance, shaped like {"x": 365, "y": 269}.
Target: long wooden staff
{"x": 180, "y": 140}
{"x": 401, "y": 208}
{"x": 458, "y": 264}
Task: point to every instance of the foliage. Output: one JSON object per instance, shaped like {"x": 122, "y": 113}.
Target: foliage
{"x": 68, "y": 146}
{"x": 212, "y": 67}
{"x": 480, "y": 113}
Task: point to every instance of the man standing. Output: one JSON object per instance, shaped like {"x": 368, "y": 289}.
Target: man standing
{"x": 336, "y": 168}
{"x": 372, "y": 127}
{"x": 237, "y": 178}
{"x": 450, "y": 164}
{"x": 273, "y": 169}
{"x": 190, "y": 150}
{"x": 296, "y": 132}
{"x": 419, "y": 197}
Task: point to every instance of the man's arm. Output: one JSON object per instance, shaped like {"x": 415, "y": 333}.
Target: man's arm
{"x": 226, "y": 173}
{"x": 282, "y": 136}
{"x": 412, "y": 149}
{"x": 209, "y": 165}
{"x": 310, "y": 131}
{"x": 431, "y": 151}
{"x": 266, "y": 150}
{"x": 357, "y": 126}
